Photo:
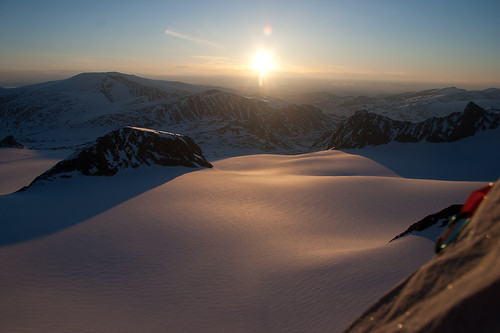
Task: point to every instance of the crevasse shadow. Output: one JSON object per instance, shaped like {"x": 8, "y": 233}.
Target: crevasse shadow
{"x": 54, "y": 206}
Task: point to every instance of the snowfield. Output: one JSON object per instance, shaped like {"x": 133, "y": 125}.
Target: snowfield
{"x": 18, "y": 167}
{"x": 259, "y": 243}
{"x": 472, "y": 158}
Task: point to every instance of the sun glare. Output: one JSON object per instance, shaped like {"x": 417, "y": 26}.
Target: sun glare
{"x": 263, "y": 62}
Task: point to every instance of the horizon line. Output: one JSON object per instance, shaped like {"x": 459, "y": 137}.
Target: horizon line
{"x": 20, "y": 78}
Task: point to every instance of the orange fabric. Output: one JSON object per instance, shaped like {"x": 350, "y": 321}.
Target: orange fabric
{"x": 474, "y": 200}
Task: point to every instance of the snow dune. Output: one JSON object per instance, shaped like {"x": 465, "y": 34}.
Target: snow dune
{"x": 262, "y": 243}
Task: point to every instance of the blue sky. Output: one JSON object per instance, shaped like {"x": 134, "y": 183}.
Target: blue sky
{"x": 424, "y": 41}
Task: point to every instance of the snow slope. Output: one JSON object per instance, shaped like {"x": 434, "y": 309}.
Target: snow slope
{"x": 262, "y": 243}
{"x": 18, "y": 167}
{"x": 471, "y": 158}
{"x": 456, "y": 291}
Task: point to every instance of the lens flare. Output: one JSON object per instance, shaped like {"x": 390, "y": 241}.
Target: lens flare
{"x": 268, "y": 30}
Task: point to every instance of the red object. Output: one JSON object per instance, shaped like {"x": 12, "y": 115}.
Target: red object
{"x": 474, "y": 200}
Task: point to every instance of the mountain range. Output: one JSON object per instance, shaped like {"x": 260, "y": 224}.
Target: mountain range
{"x": 371, "y": 129}
{"x": 80, "y": 109}
{"x": 74, "y": 112}
{"x": 411, "y": 106}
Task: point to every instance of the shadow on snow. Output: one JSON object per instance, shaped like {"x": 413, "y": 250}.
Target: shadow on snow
{"x": 48, "y": 208}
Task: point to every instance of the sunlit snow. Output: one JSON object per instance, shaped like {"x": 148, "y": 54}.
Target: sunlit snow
{"x": 260, "y": 243}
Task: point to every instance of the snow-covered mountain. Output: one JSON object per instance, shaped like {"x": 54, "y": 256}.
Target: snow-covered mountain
{"x": 62, "y": 110}
{"x": 412, "y": 106}
{"x": 84, "y": 107}
{"x": 129, "y": 147}
{"x": 71, "y": 113}
{"x": 371, "y": 129}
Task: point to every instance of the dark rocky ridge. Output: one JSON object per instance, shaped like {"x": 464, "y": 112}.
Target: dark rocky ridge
{"x": 370, "y": 129}
{"x": 129, "y": 147}
{"x": 10, "y": 142}
{"x": 442, "y": 216}
{"x": 214, "y": 113}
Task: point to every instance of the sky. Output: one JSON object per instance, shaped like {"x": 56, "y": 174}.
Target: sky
{"x": 453, "y": 42}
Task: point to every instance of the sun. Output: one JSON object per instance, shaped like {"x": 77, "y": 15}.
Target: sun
{"x": 263, "y": 62}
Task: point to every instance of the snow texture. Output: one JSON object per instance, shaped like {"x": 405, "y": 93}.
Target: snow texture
{"x": 258, "y": 243}
{"x": 472, "y": 158}
{"x": 261, "y": 243}
{"x": 456, "y": 291}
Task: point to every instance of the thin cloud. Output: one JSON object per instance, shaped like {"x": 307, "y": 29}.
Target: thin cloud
{"x": 190, "y": 38}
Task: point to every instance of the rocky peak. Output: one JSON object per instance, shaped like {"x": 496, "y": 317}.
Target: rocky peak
{"x": 129, "y": 147}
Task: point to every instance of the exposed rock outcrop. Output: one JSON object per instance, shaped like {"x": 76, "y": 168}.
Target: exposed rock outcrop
{"x": 443, "y": 216}
{"x": 129, "y": 147}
